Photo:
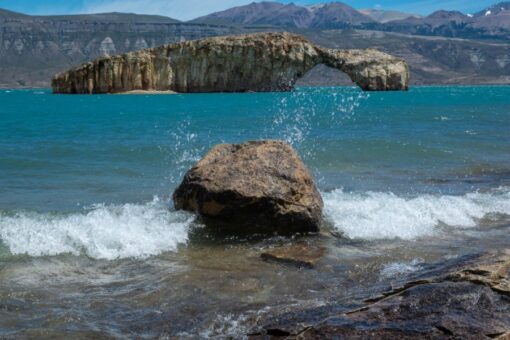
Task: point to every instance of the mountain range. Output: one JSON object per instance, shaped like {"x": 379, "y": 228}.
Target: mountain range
{"x": 490, "y": 23}
{"x": 384, "y": 16}
{"x": 329, "y": 15}
{"x": 444, "y": 47}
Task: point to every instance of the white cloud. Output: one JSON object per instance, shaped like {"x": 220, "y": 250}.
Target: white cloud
{"x": 178, "y": 9}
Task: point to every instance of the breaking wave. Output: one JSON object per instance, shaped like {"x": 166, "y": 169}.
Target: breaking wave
{"x": 141, "y": 230}
{"x": 103, "y": 232}
{"x": 380, "y": 215}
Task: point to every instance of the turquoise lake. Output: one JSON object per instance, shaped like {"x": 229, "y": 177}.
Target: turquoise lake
{"x": 88, "y": 231}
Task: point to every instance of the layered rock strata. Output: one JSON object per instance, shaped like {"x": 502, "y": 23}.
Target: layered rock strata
{"x": 256, "y": 62}
{"x": 252, "y": 188}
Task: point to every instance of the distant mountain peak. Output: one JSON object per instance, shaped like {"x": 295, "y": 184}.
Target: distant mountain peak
{"x": 496, "y": 16}
{"x": 446, "y": 14}
{"x": 495, "y": 9}
{"x": 383, "y": 16}
{"x": 316, "y": 6}
{"x": 324, "y": 15}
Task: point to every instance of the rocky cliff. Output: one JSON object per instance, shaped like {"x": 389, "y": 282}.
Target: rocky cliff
{"x": 255, "y": 62}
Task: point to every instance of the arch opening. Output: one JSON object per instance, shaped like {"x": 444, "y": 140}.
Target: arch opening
{"x": 323, "y": 75}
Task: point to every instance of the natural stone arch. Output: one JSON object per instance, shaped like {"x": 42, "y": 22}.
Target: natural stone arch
{"x": 257, "y": 62}
{"x": 323, "y": 75}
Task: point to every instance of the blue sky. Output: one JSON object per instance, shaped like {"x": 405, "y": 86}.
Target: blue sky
{"x": 188, "y": 9}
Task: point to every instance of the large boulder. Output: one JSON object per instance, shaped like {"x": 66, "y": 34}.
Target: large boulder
{"x": 255, "y": 187}
{"x": 255, "y": 62}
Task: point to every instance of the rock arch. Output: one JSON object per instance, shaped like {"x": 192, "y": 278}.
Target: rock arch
{"x": 256, "y": 62}
{"x": 322, "y": 75}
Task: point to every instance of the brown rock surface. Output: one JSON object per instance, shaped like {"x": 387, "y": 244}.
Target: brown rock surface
{"x": 299, "y": 255}
{"x": 254, "y": 187}
{"x": 492, "y": 272}
{"x": 256, "y": 62}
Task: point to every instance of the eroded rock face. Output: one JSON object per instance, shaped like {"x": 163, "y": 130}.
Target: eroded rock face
{"x": 254, "y": 187}
{"x": 255, "y": 62}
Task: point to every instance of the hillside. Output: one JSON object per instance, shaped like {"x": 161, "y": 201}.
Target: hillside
{"x": 34, "y": 48}
{"x": 328, "y": 15}
{"x": 384, "y": 16}
{"x": 490, "y": 23}
{"x": 433, "y": 60}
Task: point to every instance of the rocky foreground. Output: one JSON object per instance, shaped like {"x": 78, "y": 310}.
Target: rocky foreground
{"x": 262, "y": 187}
{"x": 467, "y": 299}
{"x": 256, "y": 62}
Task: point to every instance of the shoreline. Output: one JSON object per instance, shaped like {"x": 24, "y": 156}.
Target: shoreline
{"x": 139, "y": 92}
{"x": 145, "y": 92}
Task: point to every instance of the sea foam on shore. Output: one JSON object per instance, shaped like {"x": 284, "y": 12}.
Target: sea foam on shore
{"x": 141, "y": 230}
{"x": 384, "y": 215}
{"x": 103, "y": 232}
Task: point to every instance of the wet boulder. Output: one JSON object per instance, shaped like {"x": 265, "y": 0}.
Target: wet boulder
{"x": 257, "y": 187}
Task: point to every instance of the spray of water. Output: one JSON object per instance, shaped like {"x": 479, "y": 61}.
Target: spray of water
{"x": 296, "y": 113}
{"x": 300, "y": 115}
{"x": 186, "y": 149}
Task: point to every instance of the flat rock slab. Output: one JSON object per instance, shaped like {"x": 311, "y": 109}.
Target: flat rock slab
{"x": 492, "y": 271}
{"x": 299, "y": 255}
{"x": 433, "y": 310}
{"x": 468, "y": 302}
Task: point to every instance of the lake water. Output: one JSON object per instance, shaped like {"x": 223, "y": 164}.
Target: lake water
{"x": 91, "y": 246}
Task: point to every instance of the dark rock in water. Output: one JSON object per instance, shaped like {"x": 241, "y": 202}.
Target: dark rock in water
{"x": 438, "y": 310}
{"x": 255, "y": 187}
{"x": 256, "y": 62}
{"x": 469, "y": 303}
{"x": 299, "y": 255}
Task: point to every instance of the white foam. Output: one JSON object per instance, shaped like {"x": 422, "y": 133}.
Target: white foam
{"x": 399, "y": 268}
{"x": 379, "y": 215}
{"x": 104, "y": 232}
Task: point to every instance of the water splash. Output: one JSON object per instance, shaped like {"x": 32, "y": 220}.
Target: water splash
{"x": 396, "y": 269}
{"x": 300, "y": 113}
{"x": 382, "y": 215}
{"x": 101, "y": 232}
{"x": 186, "y": 148}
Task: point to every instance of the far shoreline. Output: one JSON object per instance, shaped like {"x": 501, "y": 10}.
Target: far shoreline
{"x": 135, "y": 92}
{"x": 163, "y": 92}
